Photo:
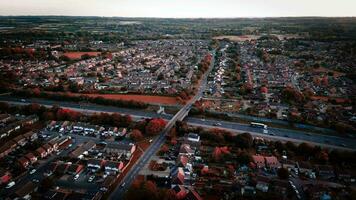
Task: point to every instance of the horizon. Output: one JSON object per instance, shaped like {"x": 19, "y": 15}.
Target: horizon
{"x": 180, "y": 8}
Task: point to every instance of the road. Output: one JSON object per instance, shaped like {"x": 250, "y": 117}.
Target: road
{"x": 154, "y": 147}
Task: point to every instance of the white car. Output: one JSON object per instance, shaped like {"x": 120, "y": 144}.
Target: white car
{"x": 91, "y": 179}
{"x": 76, "y": 177}
{"x": 265, "y": 131}
{"x": 11, "y": 184}
{"x": 32, "y": 171}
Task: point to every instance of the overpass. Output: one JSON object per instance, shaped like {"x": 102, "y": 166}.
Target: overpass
{"x": 120, "y": 189}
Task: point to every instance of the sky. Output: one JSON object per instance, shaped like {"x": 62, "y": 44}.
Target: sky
{"x": 181, "y": 8}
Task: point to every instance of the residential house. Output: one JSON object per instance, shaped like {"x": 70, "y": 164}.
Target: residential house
{"x": 185, "y": 149}
{"x": 20, "y": 140}
{"x": 41, "y": 152}
{"x": 31, "y": 136}
{"x": 95, "y": 165}
{"x": 325, "y": 171}
{"x": 259, "y": 161}
{"x": 75, "y": 169}
{"x": 24, "y": 162}
{"x": 31, "y": 157}
{"x": 178, "y": 176}
{"x": 7, "y": 148}
{"x": 121, "y": 148}
{"x": 272, "y": 162}
{"x": 114, "y": 167}
{"x": 48, "y": 148}
{"x": 79, "y": 151}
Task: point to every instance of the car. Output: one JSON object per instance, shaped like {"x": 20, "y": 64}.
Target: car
{"x": 10, "y": 185}
{"x": 123, "y": 185}
{"x": 91, "y": 179}
{"x": 265, "y": 131}
{"x": 286, "y": 135}
{"x": 35, "y": 180}
{"x": 217, "y": 124}
{"x": 48, "y": 173}
{"x": 150, "y": 141}
{"x": 23, "y": 100}
{"x": 76, "y": 177}
{"x": 32, "y": 171}
{"x": 343, "y": 145}
{"x": 203, "y": 120}
{"x": 272, "y": 134}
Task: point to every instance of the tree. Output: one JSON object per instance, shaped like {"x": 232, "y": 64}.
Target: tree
{"x": 170, "y": 195}
{"x": 244, "y": 140}
{"x": 164, "y": 149}
{"x": 136, "y": 135}
{"x": 283, "y": 173}
{"x": 155, "y": 126}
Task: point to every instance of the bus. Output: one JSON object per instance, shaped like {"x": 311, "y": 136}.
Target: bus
{"x": 258, "y": 125}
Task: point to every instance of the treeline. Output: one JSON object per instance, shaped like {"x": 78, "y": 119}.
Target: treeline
{"x": 28, "y": 93}
{"x": 60, "y": 114}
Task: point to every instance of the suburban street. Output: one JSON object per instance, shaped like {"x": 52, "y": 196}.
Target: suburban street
{"x": 179, "y": 116}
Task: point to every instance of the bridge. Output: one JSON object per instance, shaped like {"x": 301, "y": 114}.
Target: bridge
{"x": 120, "y": 189}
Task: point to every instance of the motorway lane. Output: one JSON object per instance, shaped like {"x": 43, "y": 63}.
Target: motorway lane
{"x": 279, "y": 132}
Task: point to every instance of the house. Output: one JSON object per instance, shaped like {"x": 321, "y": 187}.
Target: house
{"x": 41, "y": 152}
{"x": 26, "y": 190}
{"x": 182, "y": 161}
{"x": 272, "y": 162}
{"x": 31, "y": 157}
{"x": 121, "y": 148}
{"x": 262, "y": 186}
{"x": 113, "y": 167}
{"x": 31, "y": 136}
{"x": 30, "y": 120}
{"x": 121, "y": 132}
{"x": 48, "y": 148}
{"x": 24, "y": 162}
{"x": 325, "y": 171}
{"x": 95, "y": 165}
{"x": 75, "y": 169}
{"x": 20, "y": 140}
{"x": 178, "y": 176}
{"x": 259, "y": 161}
{"x": 79, "y": 151}
{"x": 7, "y": 148}
{"x": 54, "y": 145}
{"x": 185, "y": 149}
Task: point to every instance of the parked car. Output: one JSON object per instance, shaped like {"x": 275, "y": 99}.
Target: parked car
{"x": 91, "y": 179}
{"x": 32, "y": 171}
{"x": 76, "y": 177}
{"x": 11, "y": 184}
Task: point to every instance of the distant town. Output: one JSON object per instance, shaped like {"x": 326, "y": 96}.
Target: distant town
{"x": 177, "y": 109}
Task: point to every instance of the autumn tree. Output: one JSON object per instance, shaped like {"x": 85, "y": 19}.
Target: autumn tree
{"x": 136, "y": 135}
{"x": 155, "y": 126}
